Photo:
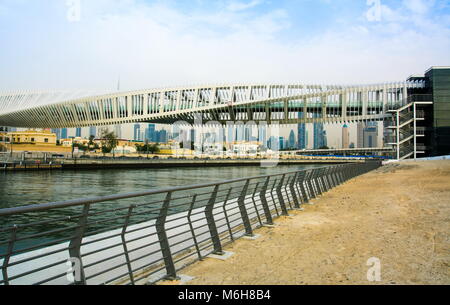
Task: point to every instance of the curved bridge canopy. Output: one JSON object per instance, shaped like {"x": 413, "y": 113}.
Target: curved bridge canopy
{"x": 285, "y": 104}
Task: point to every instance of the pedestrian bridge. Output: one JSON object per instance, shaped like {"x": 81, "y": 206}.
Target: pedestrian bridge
{"x": 285, "y": 104}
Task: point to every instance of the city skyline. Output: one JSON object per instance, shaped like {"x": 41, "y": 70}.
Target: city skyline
{"x": 333, "y": 134}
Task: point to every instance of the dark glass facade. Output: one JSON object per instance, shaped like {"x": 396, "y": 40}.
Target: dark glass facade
{"x": 438, "y": 80}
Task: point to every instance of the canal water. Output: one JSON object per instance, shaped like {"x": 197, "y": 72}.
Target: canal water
{"x": 27, "y": 188}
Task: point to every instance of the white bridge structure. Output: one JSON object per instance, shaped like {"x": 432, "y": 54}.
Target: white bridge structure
{"x": 284, "y": 104}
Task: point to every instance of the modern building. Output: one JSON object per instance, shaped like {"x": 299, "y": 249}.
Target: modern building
{"x": 161, "y": 136}
{"x": 150, "y": 133}
{"x": 291, "y": 142}
{"x": 64, "y": 134}
{"x": 273, "y": 143}
{"x": 302, "y": 136}
{"x": 262, "y": 135}
{"x": 320, "y": 140}
{"x": 438, "y": 85}
{"x": 137, "y": 132}
{"x": 282, "y": 143}
{"x": 420, "y": 126}
{"x": 239, "y": 133}
{"x": 58, "y": 133}
{"x": 367, "y": 135}
{"x": 93, "y": 131}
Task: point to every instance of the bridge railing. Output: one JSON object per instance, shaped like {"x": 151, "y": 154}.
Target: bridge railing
{"x": 147, "y": 236}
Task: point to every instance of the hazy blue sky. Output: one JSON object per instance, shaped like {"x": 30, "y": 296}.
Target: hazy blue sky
{"x": 161, "y": 43}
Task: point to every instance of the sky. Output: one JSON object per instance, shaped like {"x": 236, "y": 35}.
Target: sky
{"x": 92, "y": 44}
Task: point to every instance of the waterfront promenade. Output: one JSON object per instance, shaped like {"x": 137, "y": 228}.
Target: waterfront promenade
{"x": 398, "y": 214}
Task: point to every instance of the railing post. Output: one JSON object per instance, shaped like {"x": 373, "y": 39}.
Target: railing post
{"x": 254, "y": 203}
{"x": 273, "y": 198}
{"x": 293, "y": 192}
{"x": 324, "y": 181}
{"x": 328, "y": 178}
{"x": 75, "y": 245}
{"x": 262, "y": 195}
{"x": 163, "y": 239}
{"x": 212, "y": 224}
{"x": 309, "y": 184}
{"x": 285, "y": 187}
{"x": 8, "y": 255}
{"x": 314, "y": 183}
{"x": 224, "y": 207}
{"x": 243, "y": 210}
{"x": 191, "y": 227}
{"x": 280, "y": 197}
{"x": 124, "y": 243}
{"x": 319, "y": 181}
{"x": 341, "y": 174}
{"x": 301, "y": 184}
{"x": 335, "y": 176}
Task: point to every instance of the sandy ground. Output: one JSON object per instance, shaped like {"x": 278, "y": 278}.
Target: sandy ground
{"x": 399, "y": 214}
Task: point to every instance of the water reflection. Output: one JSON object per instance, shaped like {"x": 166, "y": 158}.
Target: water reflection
{"x": 25, "y": 188}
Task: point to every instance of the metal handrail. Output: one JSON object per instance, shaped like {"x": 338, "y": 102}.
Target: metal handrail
{"x": 150, "y": 235}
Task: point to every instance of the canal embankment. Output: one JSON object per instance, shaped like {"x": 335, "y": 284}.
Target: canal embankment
{"x": 124, "y": 163}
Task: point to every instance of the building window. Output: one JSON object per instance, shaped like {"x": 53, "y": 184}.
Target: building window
{"x": 46, "y": 140}
{"x": 32, "y": 139}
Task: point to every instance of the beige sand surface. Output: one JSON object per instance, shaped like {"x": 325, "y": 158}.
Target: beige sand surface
{"x": 399, "y": 214}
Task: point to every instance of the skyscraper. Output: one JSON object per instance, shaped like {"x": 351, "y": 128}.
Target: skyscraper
{"x": 273, "y": 143}
{"x": 302, "y": 139}
{"x": 64, "y": 133}
{"x": 371, "y": 135}
{"x": 137, "y": 132}
{"x": 150, "y": 133}
{"x": 247, "y": 133}
{"x": 291, "y": 140}
{"x": 230, "y": 133}
{"x": 57, "y": 132}
{"x": 93, "y": 131}
{"x": 360, "y": 134}
{"x": 319, "y": 134}
{"x": 282, "y": 144}
{"x": 262, "y": 135}
{"x": 161, "y": 136}
{"x": 345, "y": 137}
{"x": 240, "y": 132}
{"x": 367, "y": 135}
